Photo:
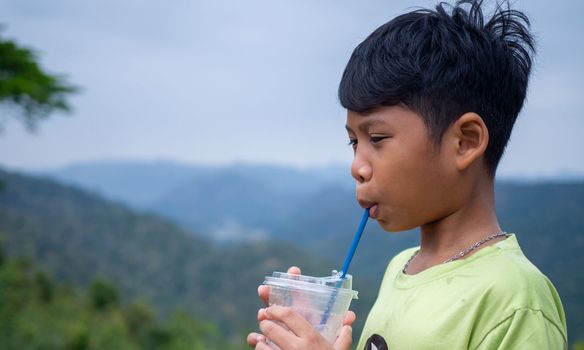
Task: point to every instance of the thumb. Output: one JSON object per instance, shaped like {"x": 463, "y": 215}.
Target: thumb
{"x": 345, "y": 339}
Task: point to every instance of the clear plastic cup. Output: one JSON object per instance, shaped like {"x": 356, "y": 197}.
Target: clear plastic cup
{"x": 322, "y": 301}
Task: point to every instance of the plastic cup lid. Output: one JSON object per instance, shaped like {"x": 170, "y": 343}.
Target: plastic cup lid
{"x": 328, "y": 283}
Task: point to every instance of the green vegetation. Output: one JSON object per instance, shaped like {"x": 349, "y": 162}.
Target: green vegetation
{"x": 549, "y": 222}
{"x": 76, "y": 237}
{"x": 26, "y": 91}
{"x": 35, "y": 313}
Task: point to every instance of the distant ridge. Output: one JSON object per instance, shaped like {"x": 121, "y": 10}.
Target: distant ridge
{"x": 75, "y": 236}
{"x": 141, "y": 184}
{"x": 320, "y": 214}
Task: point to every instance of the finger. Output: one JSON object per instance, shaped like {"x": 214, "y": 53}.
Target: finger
{"x": 293, "y": 320}
{"x": 264, "y": 293}
{"x": 294, "y": 270}
{"x": 262, "y": 315}
{"x": 345, "y": 339}
{"x": 277, "y": 333}
{"x": 263, "y": 346}
{"x": 254, "y": 338}
{"x": 350, "y": 317}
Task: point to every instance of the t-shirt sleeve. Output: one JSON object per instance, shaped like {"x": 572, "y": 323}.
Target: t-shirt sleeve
{"x": 525, "y": 329}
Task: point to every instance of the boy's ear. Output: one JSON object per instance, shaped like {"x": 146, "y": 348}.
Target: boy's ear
{"x": 471, "y": 138}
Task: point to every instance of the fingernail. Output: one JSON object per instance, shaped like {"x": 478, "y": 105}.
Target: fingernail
{"x": 260, "y": 339}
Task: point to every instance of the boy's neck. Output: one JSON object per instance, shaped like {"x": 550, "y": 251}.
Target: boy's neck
{"x": 444, "y": 238}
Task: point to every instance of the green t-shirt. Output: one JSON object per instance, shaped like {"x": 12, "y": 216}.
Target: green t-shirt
{"x": 494, "y": 299}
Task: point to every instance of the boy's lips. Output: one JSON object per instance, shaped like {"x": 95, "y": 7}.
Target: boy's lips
{"x": 373, "y": 211}
{"x": 373, "y": 208}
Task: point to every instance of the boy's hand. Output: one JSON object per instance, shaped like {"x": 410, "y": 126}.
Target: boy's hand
{"x": 297, "y": 333}
{"x": 344, "y": 341}
{"x": 256, "y": 340}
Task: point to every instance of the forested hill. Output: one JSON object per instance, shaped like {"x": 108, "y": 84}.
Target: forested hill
{"x": 76, "y": 236}
{"x": 36, "y": 313}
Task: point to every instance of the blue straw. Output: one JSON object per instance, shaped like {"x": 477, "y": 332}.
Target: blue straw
{"x": 348, "y": 259}
{"x": 355, "y": 243}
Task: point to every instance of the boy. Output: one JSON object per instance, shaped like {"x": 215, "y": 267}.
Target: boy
{"x": 432, "y": 97}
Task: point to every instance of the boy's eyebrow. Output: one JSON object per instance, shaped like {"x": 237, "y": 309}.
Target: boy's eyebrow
{"x": 363, "y": 127}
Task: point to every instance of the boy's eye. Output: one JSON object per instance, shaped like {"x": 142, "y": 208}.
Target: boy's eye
{"x": 372, "y": 139}
{"x": 376, "y": 139}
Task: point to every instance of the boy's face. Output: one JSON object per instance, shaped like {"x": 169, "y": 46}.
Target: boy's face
{"x": 399, "y": 173}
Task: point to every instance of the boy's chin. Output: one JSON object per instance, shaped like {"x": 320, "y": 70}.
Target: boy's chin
{"x": 394, "y": 227}
{"x": 387, "y": 226}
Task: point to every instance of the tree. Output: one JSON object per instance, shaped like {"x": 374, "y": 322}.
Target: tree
{"x": 26, "y": 91}
{"x": 103, "y": 294}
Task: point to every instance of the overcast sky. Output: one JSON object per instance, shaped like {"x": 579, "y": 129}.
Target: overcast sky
{"x": 220, "y": 81}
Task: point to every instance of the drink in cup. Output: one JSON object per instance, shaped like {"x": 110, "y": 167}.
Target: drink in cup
{"x": 322, "y": 301}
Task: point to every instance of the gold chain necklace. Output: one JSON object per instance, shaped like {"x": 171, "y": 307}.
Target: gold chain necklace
{"x": 462, "y": 252}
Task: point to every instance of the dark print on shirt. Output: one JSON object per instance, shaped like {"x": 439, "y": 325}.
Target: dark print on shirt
{"x": 376, "y": 342}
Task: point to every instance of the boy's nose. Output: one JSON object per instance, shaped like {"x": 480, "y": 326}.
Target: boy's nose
{"x": 360, "y": 170}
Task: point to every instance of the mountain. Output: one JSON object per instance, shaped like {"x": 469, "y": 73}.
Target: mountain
{"x": 547, "y": 217}
{"x": 143, "y": 184}
{"x": 76, "y": 236}
{"x": 246, "y": 203}
{"x": 137, "y": 184}
{"x": 226, "y": 203}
